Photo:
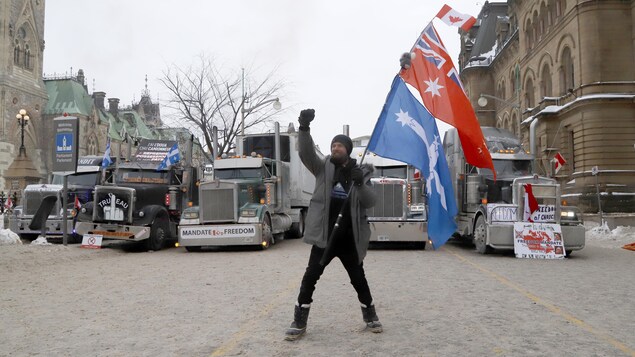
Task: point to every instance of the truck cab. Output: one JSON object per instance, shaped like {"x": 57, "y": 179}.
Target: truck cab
{"x": 253, "y": 198}
{"x": 399, "y": 214}
{"x": 488, "y": 207}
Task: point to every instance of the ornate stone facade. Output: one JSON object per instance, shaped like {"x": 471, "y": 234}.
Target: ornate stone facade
{"x": 21, "y": 85}
{"x": 560, "y": 74}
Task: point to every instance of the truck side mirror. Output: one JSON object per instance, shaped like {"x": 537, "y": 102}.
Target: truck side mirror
{"x": 482, "y": 189}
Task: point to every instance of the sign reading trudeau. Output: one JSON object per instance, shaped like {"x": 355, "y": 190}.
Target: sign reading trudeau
{"x": 66, "y": 131}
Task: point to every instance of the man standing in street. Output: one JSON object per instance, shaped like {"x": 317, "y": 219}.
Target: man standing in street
{"x": 336, "y": 223}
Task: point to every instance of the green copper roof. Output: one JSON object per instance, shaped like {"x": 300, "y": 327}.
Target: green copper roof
{"x": 67, "y": 96}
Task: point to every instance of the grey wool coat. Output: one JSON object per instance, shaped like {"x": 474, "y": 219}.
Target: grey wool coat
{"x": 362, "y": 197}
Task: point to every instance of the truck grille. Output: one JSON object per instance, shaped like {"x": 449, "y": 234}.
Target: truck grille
{"x": 390, "y": 201}
{"x": 218, "y": 205}
{"x": 113, "y": 204}
{"x": 33, "y": 199}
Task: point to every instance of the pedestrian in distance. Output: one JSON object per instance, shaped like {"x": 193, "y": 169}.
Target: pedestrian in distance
{"x": 336, "y": 224}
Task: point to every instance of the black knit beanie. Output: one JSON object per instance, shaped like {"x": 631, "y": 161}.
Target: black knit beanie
{"x": 344, "y": 140}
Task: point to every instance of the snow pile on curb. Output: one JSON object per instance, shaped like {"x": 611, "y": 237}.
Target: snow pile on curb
{"x": 41, "y": 241}
{"x": 7, "y": 237}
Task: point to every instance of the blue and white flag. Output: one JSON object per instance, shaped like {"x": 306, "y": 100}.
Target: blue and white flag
{"x": 407, "y": 132}
{"x": 107, "y": 161}
{"x": 171, "y": 158}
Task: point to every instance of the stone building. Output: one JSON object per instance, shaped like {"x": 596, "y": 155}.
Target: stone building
{"x": 21, "y": 87}
{"x": 560, "y": 74}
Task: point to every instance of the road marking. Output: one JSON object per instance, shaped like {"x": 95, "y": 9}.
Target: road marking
{"x": 248, "y": 326}
{"x": 556, "y": 310}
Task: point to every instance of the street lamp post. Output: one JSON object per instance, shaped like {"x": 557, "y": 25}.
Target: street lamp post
{"x": 23, "y": 120}
{"x": 276, "y": 105}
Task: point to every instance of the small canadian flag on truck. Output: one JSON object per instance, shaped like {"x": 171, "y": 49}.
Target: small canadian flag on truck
{"x": 559, "y": 161}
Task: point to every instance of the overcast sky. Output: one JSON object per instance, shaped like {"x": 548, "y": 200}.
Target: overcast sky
{"x": 337, "y": 56}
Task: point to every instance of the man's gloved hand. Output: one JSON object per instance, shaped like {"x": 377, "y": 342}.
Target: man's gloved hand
{"x": 406, "y": 60}
{"x": 357, "y": 176}
{"x": 306, "y": 117}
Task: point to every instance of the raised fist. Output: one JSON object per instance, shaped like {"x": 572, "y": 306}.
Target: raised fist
{"x": 306, "y": 117}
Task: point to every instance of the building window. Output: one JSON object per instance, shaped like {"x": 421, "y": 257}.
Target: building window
{"x": 566, "y": 71}
{"x": 92, "y": 147}
{"x": 16, "y": 54}
{"x": 529, "y": 93}
{"x": 545, "y": 82}
{"x": 27, "y": 57}
{"x": 571, "y": 147}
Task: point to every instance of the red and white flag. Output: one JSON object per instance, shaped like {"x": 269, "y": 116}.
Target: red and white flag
{"x": 78, "y": 205}
{"x": 433, "y": 74}
{"x": 8, "y": 204}
{"x": 455, "y": 18}
{"x": 531, "y": 204}
{"x": 559, "y": 160}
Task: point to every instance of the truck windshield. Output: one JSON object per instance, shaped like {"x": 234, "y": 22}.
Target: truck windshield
{"x": 143, "y": 176}
{"x": 509, "y": 168}
{"x": 238, "y": 173}
{"x": 85, "y": 179}
{"x": 395, "y": 172}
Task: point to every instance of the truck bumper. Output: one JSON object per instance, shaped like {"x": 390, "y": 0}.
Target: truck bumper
{"x": 501, "y": 236}
{"x": 53, "y": 227}
{"x": 220, "y": 235}
{"x": 398, "y": 231}
{"x": 113, "y": 231}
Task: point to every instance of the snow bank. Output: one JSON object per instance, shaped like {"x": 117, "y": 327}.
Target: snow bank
{"x": 8, "y": 237}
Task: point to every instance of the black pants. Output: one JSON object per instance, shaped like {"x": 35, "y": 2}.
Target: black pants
{"x": 347, "y": 254}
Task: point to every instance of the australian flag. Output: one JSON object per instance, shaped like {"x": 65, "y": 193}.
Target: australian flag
{"x": 171, "y": 158}
{"x": 107, "y": 161}
{"x": 407, "y": 132}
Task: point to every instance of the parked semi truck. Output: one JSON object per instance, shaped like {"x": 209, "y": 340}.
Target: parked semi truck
{"x": 253, "y": 198}
{"x": 80, "y": 185}
{"x": 488, "y": 208}
{"x": 145, "y": 203}
{"x": 399, "y": 214}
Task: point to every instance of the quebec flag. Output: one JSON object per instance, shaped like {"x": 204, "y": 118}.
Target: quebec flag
{"x": 107, "y": 161}
{"x": 171, "y": 158}
{"x": 407, "y": 132}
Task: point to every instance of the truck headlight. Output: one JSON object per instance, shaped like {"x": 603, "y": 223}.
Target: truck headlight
{"x": 190, "y": 214}
{"x": 570, "y": 214}
{"x": 248, "y": 212}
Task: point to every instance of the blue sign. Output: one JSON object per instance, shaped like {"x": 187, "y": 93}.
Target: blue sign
{"x": 64, "y": 142}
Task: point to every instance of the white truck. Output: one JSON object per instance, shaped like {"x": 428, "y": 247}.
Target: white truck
{"x": 80, "y": 185}
{"x": 253, "y": 198}
{"x": 489, "y": 208}
{"x": 399, "y": 214}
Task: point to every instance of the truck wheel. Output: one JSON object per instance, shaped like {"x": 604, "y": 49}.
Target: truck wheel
{"x": 297, "y": 229}
{"x": 480, "y": 236}
{"x": 158, "y": 234}
{"x": 267, "y": 233}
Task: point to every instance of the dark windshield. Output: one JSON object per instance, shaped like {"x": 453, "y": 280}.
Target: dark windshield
{"x": 143, "y": 176}
{"x": 509, "y": 168}
{"x": 238, "y": 173}
{"x": 394, "y": 172}
{"x": 85, "y": 179}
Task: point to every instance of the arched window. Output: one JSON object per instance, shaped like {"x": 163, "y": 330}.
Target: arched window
{"x": 27, "y": 57}
{"x": 92, "y": 148}
{"x": 545, "y": 82}
{"x": 529, "y": 94}
{"x": 16, "y": 54}
{"x": 566, "y": 71}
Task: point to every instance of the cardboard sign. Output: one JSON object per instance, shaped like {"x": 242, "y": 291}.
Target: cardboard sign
{"x": 538, "y": 240}
{"x": 91, "y": 241}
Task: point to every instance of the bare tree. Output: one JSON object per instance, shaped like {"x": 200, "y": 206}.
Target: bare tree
{"x": 204, "y": 97}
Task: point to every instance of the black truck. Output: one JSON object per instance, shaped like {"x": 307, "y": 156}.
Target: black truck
{"x": 144, "y": 202}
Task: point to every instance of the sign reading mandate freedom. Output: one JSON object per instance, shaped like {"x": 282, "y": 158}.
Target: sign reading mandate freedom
{"x": 66, "y": 131}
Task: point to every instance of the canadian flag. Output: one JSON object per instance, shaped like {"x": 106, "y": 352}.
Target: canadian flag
{"x": 559, "y": 160}
{"x": 8, "y": 204}
{"x": 455, "y": 18}
{"x": 78, "y": 205}
{"x": 531, "y": 204}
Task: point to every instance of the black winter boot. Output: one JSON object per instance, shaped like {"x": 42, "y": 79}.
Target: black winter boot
{"x": 298, "y": 326}
{"x": 371, "y": 319}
